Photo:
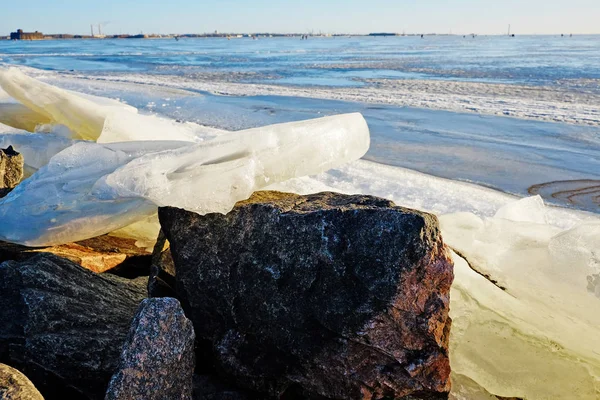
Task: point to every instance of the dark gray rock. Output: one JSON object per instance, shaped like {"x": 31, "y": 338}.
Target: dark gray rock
{"x": 320, "y": 296}
{"x": 11, "y": 168}
{"x": 15, "y": 386}
{"x": 210, "y": 387}
{"x": 64, "y": 326}
{"x": 161, "y": 282}
{"x": 157, "y": 361}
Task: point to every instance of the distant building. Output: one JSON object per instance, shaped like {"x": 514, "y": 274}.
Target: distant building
{"x": 383, "y": 34}
{"x": 20, "y": 35}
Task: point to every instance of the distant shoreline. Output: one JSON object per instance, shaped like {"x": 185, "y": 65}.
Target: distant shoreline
{"x": 64, "y": 36}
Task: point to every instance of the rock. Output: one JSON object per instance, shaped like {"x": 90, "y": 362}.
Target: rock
{"x": 209, "y": 387}
{"x": 157, "y": 361}
{"x": 319, "y": 296}
{"x": 161, "y": 282}
{"x": 64, "y": 326}
{"x": 11, "y": 168}
{"x": 104, "y": 253}
{"x": 15, "y": 386}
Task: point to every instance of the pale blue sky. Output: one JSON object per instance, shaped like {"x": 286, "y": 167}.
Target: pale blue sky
{"x": 348, "y": 16}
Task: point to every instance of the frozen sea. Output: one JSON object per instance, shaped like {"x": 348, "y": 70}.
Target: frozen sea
{"x": 519, "y": 115}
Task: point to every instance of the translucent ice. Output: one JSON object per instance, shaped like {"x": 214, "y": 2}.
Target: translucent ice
{"x": 89, "y": 188}
{"x": 37, "y": 148}
{"x": 212, "y": 176}
{"x": 20, "y": 117}
{"x": 83, "y": 116}
{"x": 528, "y": 209}
{"x": 525, "y": 320}
{"x": 87, "y": 117}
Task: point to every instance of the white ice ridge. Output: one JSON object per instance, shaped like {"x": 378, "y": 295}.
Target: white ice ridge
{"x": 531, "y": 102}
{"x": 524, "y": 304}
{"x": 87, "y": 117}
{"x": 90, "y": 189}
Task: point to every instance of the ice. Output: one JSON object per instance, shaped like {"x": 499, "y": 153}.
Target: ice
{"x": 21, "y": 117}
{"x": 524, "y": 321}
{"x": 528, "y": 209}
{"x": 212, "y": 176}
{"x": 84, "y": 117}
{"x": 37, "y": 148}
{"x": 87, "y": 117}
{"x": 575, "y": 256}
{"x": 90, "y": 188}
{"x": 121, "y": 126}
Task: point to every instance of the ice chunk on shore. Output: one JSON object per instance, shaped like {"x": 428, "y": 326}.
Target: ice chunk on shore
{"x": 83, "y": 116}
{"x": 213, "y": 176}
{"x": 87, "y": 117}
{"x": 37, "y": 148}
{"x": 528, "y": 209}
{"x": 20, "y": 117}
{"x": 575, "y": 255}
{"x": 524, "y": 321}
{"x": 89, "y": 188}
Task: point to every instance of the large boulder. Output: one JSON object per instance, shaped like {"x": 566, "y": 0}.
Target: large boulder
{"x": 64, "y": 326}
{"x": 320, "y": 296}
{"x": 15, "y": 386}
{"x": 157, "y": 361}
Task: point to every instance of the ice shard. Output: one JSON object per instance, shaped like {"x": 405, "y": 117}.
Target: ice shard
{"x": 90, "y": 188}
{"x": 20, "y": 117}
{"x": 87, "y": 117}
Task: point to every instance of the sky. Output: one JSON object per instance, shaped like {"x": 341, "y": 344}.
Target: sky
{"x": 327, "y": 16}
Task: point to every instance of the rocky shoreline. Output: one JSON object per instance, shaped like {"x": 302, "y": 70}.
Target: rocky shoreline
{"x": 325, "y": 296}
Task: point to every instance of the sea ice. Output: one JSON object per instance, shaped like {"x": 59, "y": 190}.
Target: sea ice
{"x": 90, "y": 188}
{"x": 87, "y": 117}
{"x": 20, "y": 117}
{"x": 37, "y": 148}
{"x": 524, "y": 321}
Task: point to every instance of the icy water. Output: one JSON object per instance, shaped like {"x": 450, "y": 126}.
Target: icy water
{"x": 339, "y": 61}
{"x": 515, "y": 114}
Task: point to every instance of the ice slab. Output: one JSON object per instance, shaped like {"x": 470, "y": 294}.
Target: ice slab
{"x": 90, "y": 188}
{"x": 20, "y": 117}
{"x": 37, "y": 148}
{"x": 87, "y": 117}
{"x": 525, "y": 320}
{"x": 83, "y": 116}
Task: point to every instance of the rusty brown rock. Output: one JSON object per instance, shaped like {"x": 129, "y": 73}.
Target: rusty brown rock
{"x": 15, "y": 386}
{"x": 320, "y": 296}
{"x": 11, "y": 168}
{"x": 99, "y": 254}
